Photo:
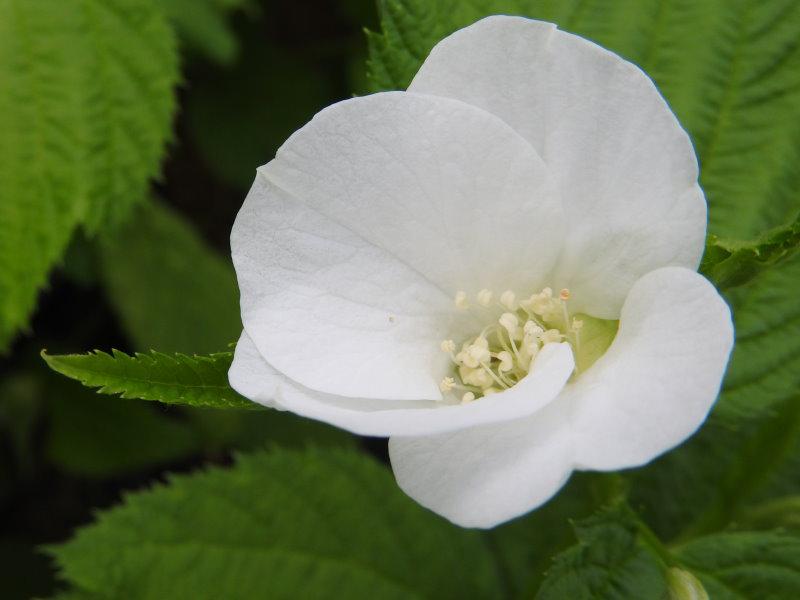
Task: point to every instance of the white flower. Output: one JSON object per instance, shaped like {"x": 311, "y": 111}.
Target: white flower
{"x": 406, "y": 243}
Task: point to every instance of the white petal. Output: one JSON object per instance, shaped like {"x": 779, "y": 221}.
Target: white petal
{"x": 656, "y": 383}
{"x": 626, "y": 170}
{"x": 354, "y": 240}
{"x": 251, "y": 376}
{"x": 332, "y": 310}
{"x": 254, "y": 378}
{"x": 483, "y": 476}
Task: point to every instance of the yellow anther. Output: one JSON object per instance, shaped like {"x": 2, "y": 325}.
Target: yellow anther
{"x": 509, "y": 300}
{"x": 564, "y": 294}
{"x": 448, "y": 346}
{"x": 447, "y": 384}
{"x": 485, "y": 297}
{"x": 532, "y": 328}
{"x": 461, "y": 300}
{"x": 477, "y": 377}
{"x": 506, "y": 361}
{"x": 510, "y": 322}
{"x": 480, "y": 351}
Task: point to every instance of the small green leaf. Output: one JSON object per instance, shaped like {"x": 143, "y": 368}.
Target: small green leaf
{"x": 613, "y": 560}
{"x": 752, "y": 566}
{"x": 731, "y": 263}
{"x": 172, "y": 379}
{"x": 203, "y": 26}
{"x": 171, "y": 290}
{"x": 279, "y": 524}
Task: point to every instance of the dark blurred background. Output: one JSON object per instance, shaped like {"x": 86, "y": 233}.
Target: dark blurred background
{"x": 65, "y": 451}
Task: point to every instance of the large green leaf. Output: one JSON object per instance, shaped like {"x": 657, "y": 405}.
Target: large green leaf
{"x": 745, "y": 566}
{"x": 171, "y": 291}
{"x": 525, "y": 546}
{"x": 278, "y": 525}
{"x": 86, "y": 102}
{"x": 730, "y": 69}
{"x": 174, "y": 379}
{"x": 614, "y": 559}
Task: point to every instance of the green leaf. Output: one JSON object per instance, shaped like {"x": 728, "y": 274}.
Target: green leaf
{"x": 84, "y": 115}
{"x": 773, "y": 514}
{"x": 730, "y": 70}
{"x": 92, "y": 437}
{"x": 203, "y": 26}
{"x": 331, "y": 524}
{"x": 525, "y": 546}
{"x": 730, "y": 263}
{"x": 259, "y": 115}
{"x": 176, "y": 379}
{"x": 764, "y": 372}
{"x": 738, "y": 566}
{"x": 171, "y": 291}
{"x": 612, "y": 560}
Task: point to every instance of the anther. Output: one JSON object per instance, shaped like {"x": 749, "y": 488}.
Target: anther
{"x": 509, "y": 300}
{"x": 510, "y": 322}
{"x": 447, "y": 384}
{"x": 467, "y": 398}
{"x": 564, "y": 294}
{"x": 532, "y": 328}
{"x": 506, "y": 361}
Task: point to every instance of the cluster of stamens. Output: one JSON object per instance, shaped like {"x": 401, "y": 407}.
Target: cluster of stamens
{"x": 504, "y": 352}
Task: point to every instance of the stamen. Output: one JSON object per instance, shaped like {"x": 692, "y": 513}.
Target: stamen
{"x": 447, "y": 384}
{"x": 485, "y": 297}
{"x": 505, "y": 351}
{"x": 510, "y": 323}
{"x": 506, "y": 361}
{"x": 509, "y": 300}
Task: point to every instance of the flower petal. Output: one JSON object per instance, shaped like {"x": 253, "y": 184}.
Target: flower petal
{"x": 656, "y": 383}
{"x": 254, "y": 378}
{"x": 353, "y": 241}
{"x": 486, "y": 475}
{"x": 625, "y": 168}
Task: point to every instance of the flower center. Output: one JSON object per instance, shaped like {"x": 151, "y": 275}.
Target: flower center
{"x": 504, "y": 352}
